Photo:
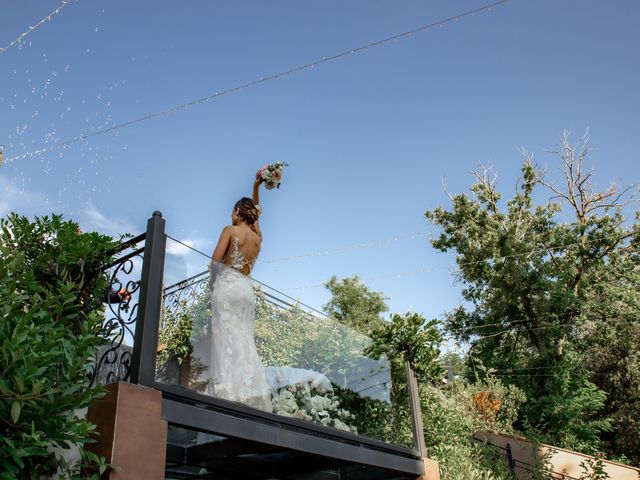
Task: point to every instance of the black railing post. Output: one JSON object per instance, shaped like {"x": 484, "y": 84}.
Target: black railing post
{"x": 510, "y": 461}
{"x": 416, "y": 413}
{"x": 143, "y": 362}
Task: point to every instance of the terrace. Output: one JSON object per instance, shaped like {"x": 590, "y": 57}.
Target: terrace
{"x": 160, "y": 419}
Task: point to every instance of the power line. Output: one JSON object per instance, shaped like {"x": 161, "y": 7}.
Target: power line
{"x": 84, "y": 136}
{"x": 454, "y": 332}
{"x": 547, "y": 374}
{"x": 452, "y": 268}
{"x": 34, "y": 27}
{"x": 541, "y": 327}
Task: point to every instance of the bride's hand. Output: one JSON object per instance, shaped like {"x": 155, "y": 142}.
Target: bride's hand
{"x": 258, "y": 180}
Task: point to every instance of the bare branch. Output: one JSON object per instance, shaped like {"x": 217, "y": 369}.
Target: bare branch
{"x": 578, "y": 191}
{"x": 444, "y": 189}
{"x": 487, "y": 178}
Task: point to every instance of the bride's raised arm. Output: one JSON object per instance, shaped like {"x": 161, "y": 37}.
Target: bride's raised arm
{"x": 256, "y": 199}
{"x": 256, "y": 188}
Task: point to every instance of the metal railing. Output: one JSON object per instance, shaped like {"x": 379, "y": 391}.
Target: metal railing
{"x": 138, "y": 317}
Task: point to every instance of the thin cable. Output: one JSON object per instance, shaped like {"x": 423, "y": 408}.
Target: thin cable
{"x": 451, "y": 268}
{"x": 253, "y": 83}
{"x": 347, "y": 248}
{"x": 542, "y": 327}
{"x": 37, "y": 25}
{"x": 522, "y": 321}
{"x": 259, "y": 282}
{"x": 454, "y": 332}
{"x": 547, "y": 374}
{"x": 190, "y": 247}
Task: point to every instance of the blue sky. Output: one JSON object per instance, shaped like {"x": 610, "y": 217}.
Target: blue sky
{"x": 369, "y": 137}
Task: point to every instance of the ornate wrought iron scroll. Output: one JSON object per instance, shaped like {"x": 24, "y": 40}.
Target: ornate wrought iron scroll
{"x": 187, "y": 290}
{"x": 113, "y": 361}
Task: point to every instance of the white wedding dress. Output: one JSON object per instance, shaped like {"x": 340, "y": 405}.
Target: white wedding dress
{"x": 236, "y": 370}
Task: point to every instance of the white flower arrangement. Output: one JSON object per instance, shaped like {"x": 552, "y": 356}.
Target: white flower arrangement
{"x": 318, "y": 405}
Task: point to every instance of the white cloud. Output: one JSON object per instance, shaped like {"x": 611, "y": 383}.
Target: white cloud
{"x": 91, "y": 219}
{"x": 175, "y": 248}
{"x": 20, "y": 200}
{"x": 27, "y": 202}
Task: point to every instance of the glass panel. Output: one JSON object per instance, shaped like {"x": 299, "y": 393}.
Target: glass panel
{"x": 232, "y": 338}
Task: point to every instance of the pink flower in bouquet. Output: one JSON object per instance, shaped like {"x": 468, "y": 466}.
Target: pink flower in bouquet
{"x": 272, "y": 174}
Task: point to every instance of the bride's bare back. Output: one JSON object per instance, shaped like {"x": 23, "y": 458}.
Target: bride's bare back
{"x": 239, "y": 243}
{"x": 244, "y": 249}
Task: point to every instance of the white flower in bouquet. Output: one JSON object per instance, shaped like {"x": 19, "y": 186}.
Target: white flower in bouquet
{"x": 272, "y": 174}
{"x": 284, "y": 403}
{"x": 306, "y": 402}
{"x": 342, "y": 426}
{"x": 302, "y": 415}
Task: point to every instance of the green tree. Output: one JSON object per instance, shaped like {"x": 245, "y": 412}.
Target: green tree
{"x": 354, "y": 304}
{"x": 532, "y": 278}
{"x": 454, "y": 361}
{"x": 409, "y": 338}
{"x": 51, "y": 293}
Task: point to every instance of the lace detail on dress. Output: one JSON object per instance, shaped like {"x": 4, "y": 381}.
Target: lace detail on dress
{"x": 237, "y": 259}
{"x": 236, "y": 371}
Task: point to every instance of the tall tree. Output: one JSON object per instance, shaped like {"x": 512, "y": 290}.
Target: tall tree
{"x": 533, "y": 277}
{"x": 354, "y": 304}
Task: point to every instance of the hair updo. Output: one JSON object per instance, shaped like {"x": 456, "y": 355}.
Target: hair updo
{"x": 247, "y": 210}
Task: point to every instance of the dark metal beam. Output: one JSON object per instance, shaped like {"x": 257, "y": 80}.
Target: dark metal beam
{"x": 198, "y": 418}
{"x": 184, "y": 395}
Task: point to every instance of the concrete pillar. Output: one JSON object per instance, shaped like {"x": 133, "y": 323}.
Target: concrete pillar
{"x": 132, "y": 433}
{"x": 431, "y": 470}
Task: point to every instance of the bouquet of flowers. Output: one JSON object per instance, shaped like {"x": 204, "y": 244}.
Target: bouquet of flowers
{"x": 272, "y": 174}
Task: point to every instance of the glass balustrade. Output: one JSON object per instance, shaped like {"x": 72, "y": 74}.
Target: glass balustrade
{"x": 308, "y": 366}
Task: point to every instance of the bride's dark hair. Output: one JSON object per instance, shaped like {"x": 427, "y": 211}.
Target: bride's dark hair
{"x": 247, "y": 210}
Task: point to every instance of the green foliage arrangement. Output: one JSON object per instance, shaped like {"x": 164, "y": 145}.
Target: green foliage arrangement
{"x": 593, "y": 469}
{"x": 51, "y": 293}
{"x": 183, "y": 324}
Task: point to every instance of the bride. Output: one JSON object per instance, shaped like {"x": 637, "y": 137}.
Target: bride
{"x": 236, "y": 370}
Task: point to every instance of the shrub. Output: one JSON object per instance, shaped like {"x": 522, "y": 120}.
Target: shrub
{"x": 51, "y": 293}
{"x": 450, "y": 418}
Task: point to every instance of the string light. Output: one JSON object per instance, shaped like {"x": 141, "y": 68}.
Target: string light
{"x": 208, "y": 98}
{"x": 37, "y": 25}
